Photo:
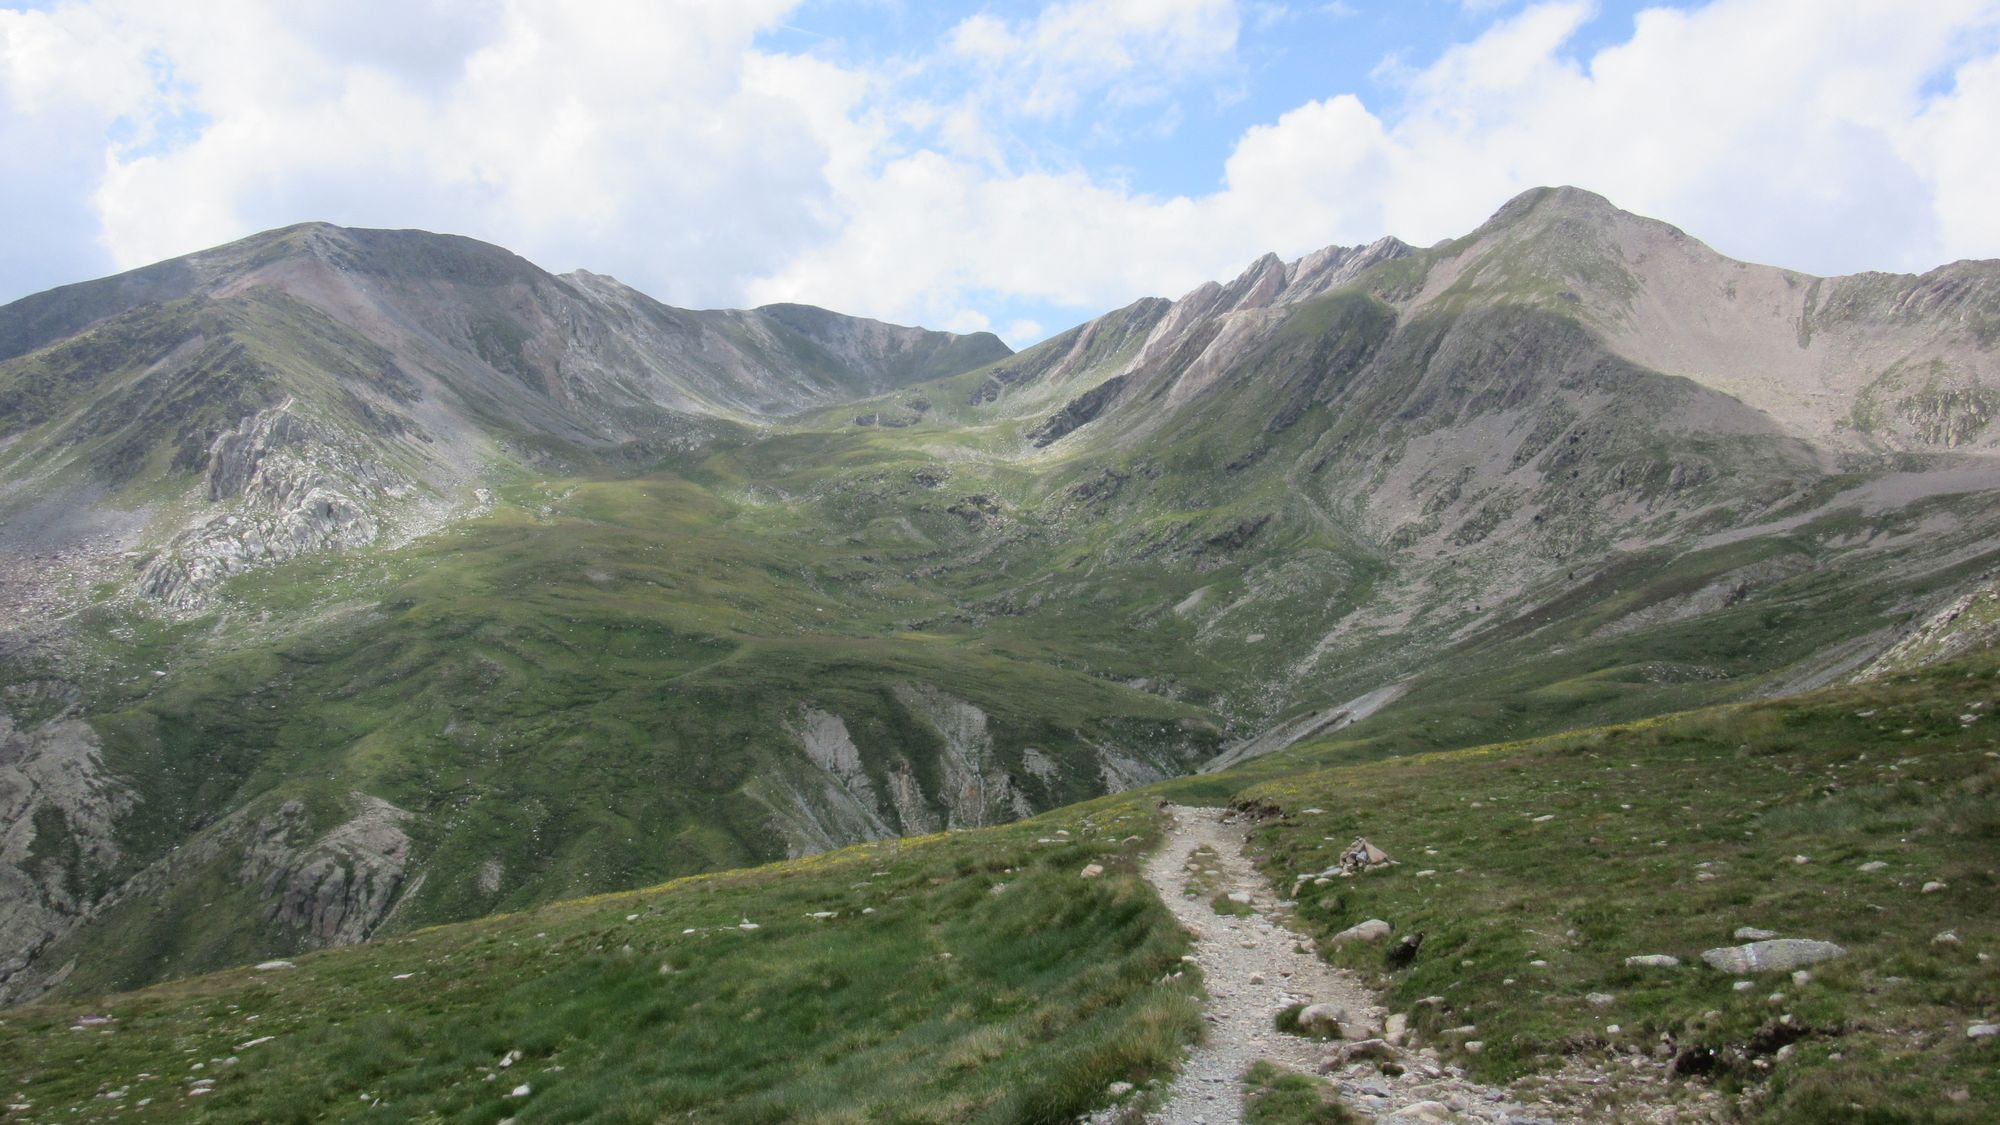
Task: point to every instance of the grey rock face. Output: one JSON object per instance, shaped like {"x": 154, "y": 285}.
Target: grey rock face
{"x": 1779, "y": 956}
{"x": 338, "y": 887}
{"x": 291, "y": 489}
{"x": 58, "y": 809}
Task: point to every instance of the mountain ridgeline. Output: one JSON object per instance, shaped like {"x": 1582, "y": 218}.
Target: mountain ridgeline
{"x": 362, "y": 580}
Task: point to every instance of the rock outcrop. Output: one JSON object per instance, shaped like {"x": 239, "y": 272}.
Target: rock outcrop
{"x": 334, "y": 888}
{"x": 288, "y": 488}
{"x": 58, "y": 814}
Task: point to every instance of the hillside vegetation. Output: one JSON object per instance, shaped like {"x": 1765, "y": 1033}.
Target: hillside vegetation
{"x": 991, "y": 981}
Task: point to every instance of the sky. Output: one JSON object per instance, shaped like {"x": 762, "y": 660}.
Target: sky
{"x": 1015, "y": 166}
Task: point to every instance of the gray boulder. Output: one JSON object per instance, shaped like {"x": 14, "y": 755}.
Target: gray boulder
{"x": 1374, "y": 929}
{"x": 1780, "y": 956}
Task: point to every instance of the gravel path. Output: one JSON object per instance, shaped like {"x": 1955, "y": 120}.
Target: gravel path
{"x": 1254, "y": 967}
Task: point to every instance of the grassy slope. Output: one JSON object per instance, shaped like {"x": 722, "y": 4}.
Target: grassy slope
{"x": 987, "y": 981}
{"x": 1665, "y": 836}
{"x": 1051, "y": 994}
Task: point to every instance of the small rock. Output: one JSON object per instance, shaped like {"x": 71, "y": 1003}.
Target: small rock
{"x": 1801, "y": 978}
{"x": 1653, "y": 961}
{"x": 1600, "y": 999}
{"x": 1874, "y": 865}
{"x": 1801, "y": 860}
{"x": 1949, "y": 937}
{"x": 1933, "y": 887}
{"x": 1744, "y": 985}
{"x": 521, "y": 1091}
{"x": 1240, "y": 898}
{"x": 1474, "y": 1046}
{"x": 1325, "y": 1018}
{"x": 1544, "y": 818}
{"x": 267, "y": 966}
{"x": 1374, "y": 929}
{"x": 1256, "y": 978}
{"x": 1093, "y": 871}
{"x": 1781, "y": 955}
{"x": 1752, "y": 933}
{"x": 1376, "y": 1049}
{"x": 1119, "y": 1089}
{"x": 1397, "y": 1029}
{"x": 1982, "y": 1031}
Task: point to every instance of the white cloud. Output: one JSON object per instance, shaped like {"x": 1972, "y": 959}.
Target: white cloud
{"x": 657, "y": 141}
{"x": 1129, "y": 51}
{"x": 1792, "y": 131}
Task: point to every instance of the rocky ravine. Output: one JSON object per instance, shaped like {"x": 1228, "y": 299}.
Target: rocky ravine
{"x": 1257, "y": 966}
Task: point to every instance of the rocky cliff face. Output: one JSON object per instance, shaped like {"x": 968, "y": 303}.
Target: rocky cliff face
{"x": 58, "y": 814}
{"x": 333, "y": 888}
{"x": 284, "y": 487}
{"x": 968, "y": 780}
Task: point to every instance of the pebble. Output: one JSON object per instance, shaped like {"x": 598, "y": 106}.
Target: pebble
{"x": 1934, "y": 887}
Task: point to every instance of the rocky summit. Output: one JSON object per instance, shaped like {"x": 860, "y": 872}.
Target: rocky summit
{"x": 358, "y": 581}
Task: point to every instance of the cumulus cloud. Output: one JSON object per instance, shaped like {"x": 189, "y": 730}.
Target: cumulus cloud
{"x": 665, "y": 141}
{"x": 1827, "y": 135}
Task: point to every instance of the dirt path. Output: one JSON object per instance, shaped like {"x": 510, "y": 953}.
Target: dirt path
{"x": 1255, "y": 967}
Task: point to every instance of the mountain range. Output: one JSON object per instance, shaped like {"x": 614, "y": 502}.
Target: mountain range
{"x": 357, "y": 581}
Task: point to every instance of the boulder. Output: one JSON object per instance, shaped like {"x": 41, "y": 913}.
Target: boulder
{"x": 1780, "y": 956}
{"x": 1324, "y": 1019}
{"x": 1374, "y": 929}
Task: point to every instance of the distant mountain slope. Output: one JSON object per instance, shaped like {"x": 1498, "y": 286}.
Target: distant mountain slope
{"x": 315, "y": 388}
{"x": 357, "y": 581}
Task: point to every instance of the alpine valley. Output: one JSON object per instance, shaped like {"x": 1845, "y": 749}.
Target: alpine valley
{"x": 358, "y": 582}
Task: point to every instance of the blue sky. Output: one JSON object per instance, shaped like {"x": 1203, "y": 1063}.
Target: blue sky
{"x": 1018, "y": 166}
